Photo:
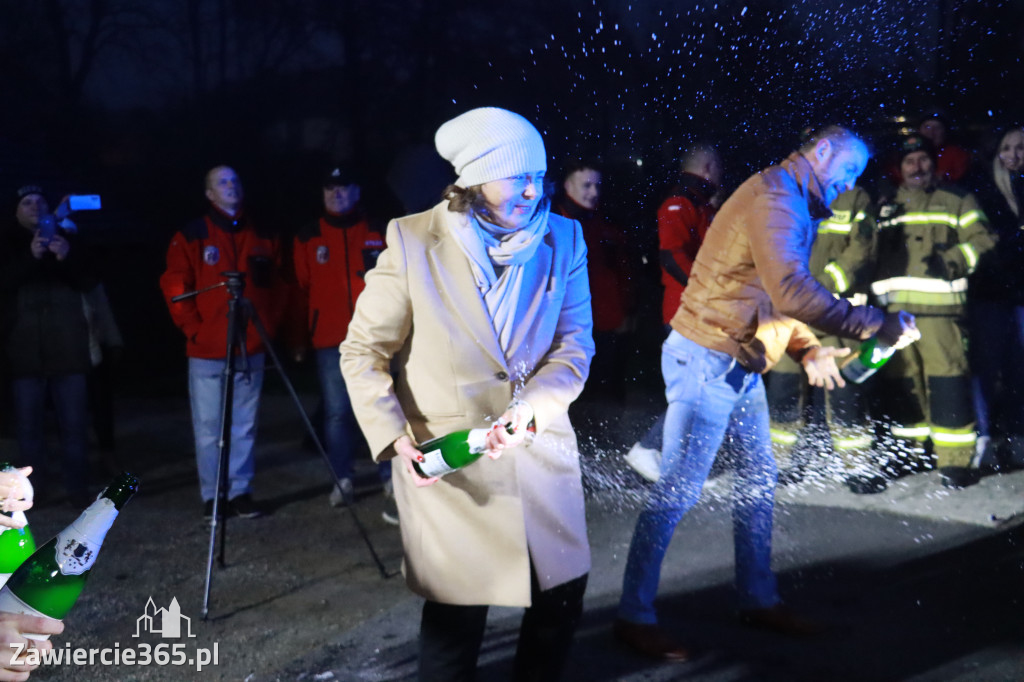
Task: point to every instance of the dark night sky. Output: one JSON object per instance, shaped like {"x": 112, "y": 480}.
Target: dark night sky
{"x": 626, "y": 78}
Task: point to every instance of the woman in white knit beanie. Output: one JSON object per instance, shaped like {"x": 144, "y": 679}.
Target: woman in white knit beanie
{"x": 477, "y": 315}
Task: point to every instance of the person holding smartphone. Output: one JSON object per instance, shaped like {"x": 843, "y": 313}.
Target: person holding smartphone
{"x": 45, "y": 337}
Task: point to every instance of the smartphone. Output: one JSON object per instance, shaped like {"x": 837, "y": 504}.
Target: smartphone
{"x": 47, "y": 228}
{"x": 84, "y": 202}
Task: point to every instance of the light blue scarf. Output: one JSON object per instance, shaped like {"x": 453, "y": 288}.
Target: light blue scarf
{"x": 487, "y": 245}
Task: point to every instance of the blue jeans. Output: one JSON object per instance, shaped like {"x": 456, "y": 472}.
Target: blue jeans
{"x": 652, "y": 438}
{"x": 341, "y": 431}
{"x": 70, "y": 402}
{"x": 205, "y": 388}
{"x": 710, "y": 397}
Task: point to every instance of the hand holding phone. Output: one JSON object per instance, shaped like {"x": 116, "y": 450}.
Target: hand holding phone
{"x": 77, "y": 202}
{"x": 47, "y": 228}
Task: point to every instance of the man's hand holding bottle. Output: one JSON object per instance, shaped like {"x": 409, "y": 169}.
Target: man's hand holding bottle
{"x": 898, "y": 330}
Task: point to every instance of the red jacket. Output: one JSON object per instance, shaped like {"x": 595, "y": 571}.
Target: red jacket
{"x": 607, "y": 266}
{"x": 331, "y": 258}
{"x": 683, "y": 221}
{"x": 197, "y": 256}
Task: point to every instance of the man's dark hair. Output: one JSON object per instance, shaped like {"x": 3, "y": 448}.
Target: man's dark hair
{"x": 575, "y": 165}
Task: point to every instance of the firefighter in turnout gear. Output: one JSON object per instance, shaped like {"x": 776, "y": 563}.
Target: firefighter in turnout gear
{"x": 842, "y": 259}
{"x": 929, "y": 241}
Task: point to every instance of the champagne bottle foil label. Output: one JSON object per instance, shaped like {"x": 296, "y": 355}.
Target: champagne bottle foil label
{"x": 433, "y": 464}
{"x": 10, "y": 603}
{"x": 477, "y": 440}
{"x": 78, "y": 544}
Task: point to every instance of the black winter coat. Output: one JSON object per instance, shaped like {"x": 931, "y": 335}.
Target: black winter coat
{"x": 43, "y": 327}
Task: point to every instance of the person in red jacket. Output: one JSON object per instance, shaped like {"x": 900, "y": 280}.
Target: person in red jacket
{"x": 683, "y": 220}
{"x": 609, "y": 274}
{"x": 332, "y": 255}
{"x": 952, "y": 161}
{"x": 223, "y": 240}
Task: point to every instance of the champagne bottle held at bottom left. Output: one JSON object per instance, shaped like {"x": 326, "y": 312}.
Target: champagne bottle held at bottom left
{"x": 49, "y": 582}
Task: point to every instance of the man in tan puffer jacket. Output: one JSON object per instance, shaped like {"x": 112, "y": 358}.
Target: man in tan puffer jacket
{"x": 750, "y": 298}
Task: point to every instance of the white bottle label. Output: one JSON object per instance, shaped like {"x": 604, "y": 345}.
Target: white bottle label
{"x": 10, "y": 603}
{"x": 78, "y": 544}
{"x": 433, "y": 464}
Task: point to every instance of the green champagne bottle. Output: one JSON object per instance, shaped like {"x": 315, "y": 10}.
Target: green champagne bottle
{"x": 871, "y": 355}
{"x": 50, "y": 581}
{"x": 445, "y": 454}
{"x": 16, "y": 544}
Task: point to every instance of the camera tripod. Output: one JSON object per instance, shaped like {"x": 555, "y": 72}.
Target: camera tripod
{"x": 240, "y": 314}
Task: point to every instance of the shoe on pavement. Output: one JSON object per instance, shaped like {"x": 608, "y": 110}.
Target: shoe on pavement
{"x": 956, "y": 478}
{"x": 649, "y": 640}
{"x": 225, "y": 510}
{"x": 866, "y": 484}
{"x": 645, "y": 461}
{"x": 340, "y": 495}
{"x": 390, "y": 512}
{"x": 245, "y": 507}
{"x": 782, "y": 619}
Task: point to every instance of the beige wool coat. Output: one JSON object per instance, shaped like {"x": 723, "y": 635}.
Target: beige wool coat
{"x": 469, "y": 538}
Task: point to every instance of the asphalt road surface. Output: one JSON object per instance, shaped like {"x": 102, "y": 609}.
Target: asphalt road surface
{"x": 915, "y": 584}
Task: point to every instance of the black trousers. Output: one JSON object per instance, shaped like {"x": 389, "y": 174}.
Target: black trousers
{"x": 451, "y": 635}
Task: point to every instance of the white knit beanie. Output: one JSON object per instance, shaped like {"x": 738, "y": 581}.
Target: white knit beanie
{"x": 490, "y": 144}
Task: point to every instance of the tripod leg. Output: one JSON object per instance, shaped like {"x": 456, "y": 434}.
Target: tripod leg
{"x": 258, "y": 325}
{"x": 224, "y": 450}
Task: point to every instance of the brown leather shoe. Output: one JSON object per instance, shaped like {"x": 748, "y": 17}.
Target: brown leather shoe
{"x": 649, "y": 640}
{"x": 781, "y": 619}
